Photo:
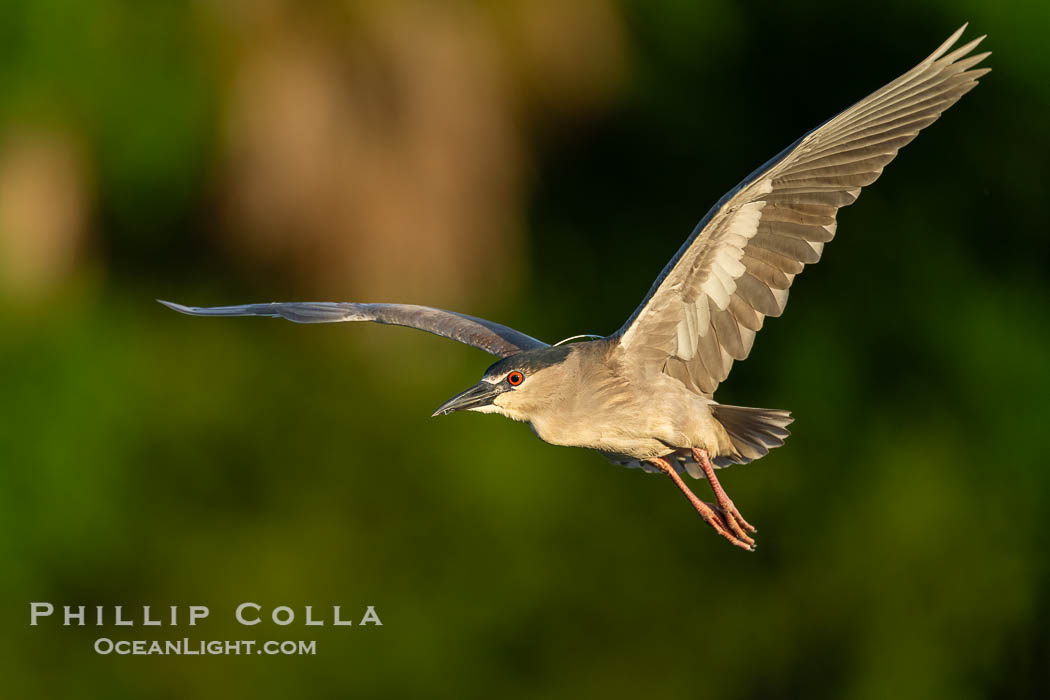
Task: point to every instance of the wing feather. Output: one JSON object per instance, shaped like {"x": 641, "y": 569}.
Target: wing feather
{"x": 493, "y": 338}
{"x": 737, "y": 267}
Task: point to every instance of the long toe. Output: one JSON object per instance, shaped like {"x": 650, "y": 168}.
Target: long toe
{"x": 736, "y": 521}
{"x": 728, "y": 528}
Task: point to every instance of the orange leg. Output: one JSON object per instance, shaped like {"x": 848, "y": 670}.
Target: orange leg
{"x": 706, "y": 511}
{"x": 725, "y": 505}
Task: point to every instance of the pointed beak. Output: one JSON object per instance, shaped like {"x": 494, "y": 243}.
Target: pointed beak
{"x": 481, "y": 394}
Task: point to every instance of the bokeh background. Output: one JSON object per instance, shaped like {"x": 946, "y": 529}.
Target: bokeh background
{"x": 535, "y": 162}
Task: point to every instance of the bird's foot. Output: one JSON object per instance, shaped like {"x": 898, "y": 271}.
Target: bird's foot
{"x": 725, "y": 525}
{"x": 726, "y": 508}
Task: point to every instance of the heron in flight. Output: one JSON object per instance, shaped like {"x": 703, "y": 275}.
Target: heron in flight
{"x": 644, "y": 396}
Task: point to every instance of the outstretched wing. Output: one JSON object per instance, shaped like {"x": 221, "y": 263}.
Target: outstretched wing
{"x": 486, "y": 335}
{"x": 735, "y": 269}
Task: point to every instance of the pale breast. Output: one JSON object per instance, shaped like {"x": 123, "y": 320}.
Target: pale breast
{"x": 613, "y": 414}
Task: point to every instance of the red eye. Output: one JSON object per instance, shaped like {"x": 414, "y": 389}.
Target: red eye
{"x": 515, "y": 378}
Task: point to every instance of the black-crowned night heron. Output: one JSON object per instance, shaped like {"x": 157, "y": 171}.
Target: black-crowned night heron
{"x": 644, "y": 396}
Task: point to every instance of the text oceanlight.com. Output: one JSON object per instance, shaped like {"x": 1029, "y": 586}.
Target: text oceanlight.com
{"x": 190, "y": 647}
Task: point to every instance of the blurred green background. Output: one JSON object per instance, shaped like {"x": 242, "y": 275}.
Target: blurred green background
{"x": 535, "y": 162}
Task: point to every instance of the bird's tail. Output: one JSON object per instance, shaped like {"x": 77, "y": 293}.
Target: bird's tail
{"x": 753, "y": 431}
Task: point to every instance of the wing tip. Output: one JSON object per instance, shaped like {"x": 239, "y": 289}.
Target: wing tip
{"x": 941, "y": 55}
{"x": 177, "y": 307}
{"x": 948, "y": 43}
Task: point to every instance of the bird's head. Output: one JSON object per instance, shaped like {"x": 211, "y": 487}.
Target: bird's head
{"x": 516, "y": 386}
